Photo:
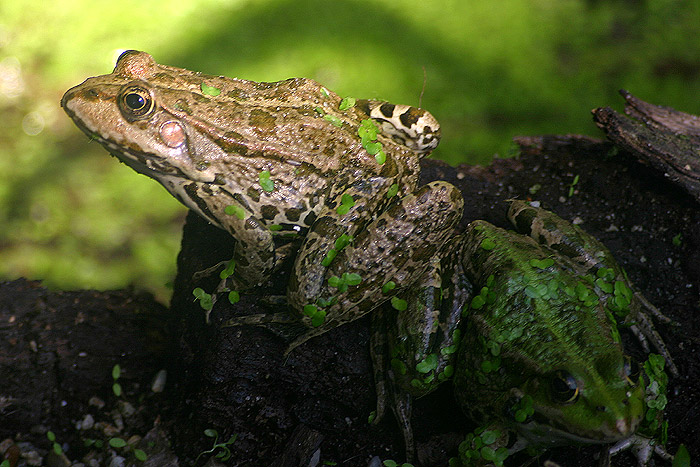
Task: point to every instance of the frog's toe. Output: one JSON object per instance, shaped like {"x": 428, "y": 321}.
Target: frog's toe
{"x": 644, "y": 331}
{"x": 642, "y": 448}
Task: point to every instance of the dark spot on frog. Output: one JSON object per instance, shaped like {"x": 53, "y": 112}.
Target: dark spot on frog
{"x": 182, "y": 106}
{"x": 263, "y": 86}
{"x": 201, "y": 99}
{"x": 387, "y": 109}
{"x": 193, "y": 193}
{"x": 310, "y": 218}
{"x": 363, "y": 105}
{"x": 253, "y": 194}
{"x": 306, "y": 110}
{"x": 411, "y": 116}
{"x": 293, "y": 214}
{"x": 231, "y": 144}
{"x": 389, "y": 168}
{"x": 329, "y": 150}
{"x": 89, "y": 95}
{"x": 423, "y": 253}
{"x": 242, "y": 200}
{"x": 265, "y": 255}
{"x": 262, "y": 119}
{"x": 268, "y": 211}
{"x": 251, "y": 224}
{"x": 239, "y": 94}
{"x": 366, "y": 305}
{"x": 327, "y": 227}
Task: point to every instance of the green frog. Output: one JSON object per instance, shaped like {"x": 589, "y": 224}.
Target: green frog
{"x": 534, "y": 347}
{"x": 295, "y": 173}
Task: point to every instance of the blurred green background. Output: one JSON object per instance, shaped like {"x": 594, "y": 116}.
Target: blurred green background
{"x": 76, "y": 218}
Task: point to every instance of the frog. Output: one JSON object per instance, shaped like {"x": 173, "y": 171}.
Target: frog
{"x": 296, "y": 174}
{"x": 292, "y": 171}
{"x": 528, "y": 333}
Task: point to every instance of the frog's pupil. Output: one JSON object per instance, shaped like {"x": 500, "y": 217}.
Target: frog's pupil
{"x": 564, "y": 387}
{"x": 134, "y": 101}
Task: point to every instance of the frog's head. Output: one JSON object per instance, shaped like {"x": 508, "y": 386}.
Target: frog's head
{"x": 599, "y": 402}
{"x": 124, "y": 112}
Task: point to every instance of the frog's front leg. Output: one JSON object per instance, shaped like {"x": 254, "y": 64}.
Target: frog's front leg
{"x": 254, "y": 252}
{"x": 621, "y": 297}
{"x": 384, "y": 258}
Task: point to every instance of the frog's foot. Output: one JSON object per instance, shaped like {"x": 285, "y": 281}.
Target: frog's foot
{"x": 642, "y": 448}
{"x": 378, "y": 352}
{"x": 283, "y": 324}
{"x": 209, "y": 272}
{"x": 385, "y": 385}
{"x": 653, "y": 310}
{"x": 644, "y": 331}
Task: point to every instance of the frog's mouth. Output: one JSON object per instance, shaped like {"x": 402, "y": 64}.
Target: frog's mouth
{"x": 545, "y": 432}
{"x": 143, "y": 162}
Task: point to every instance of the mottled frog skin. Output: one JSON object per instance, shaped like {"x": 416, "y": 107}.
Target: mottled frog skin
{"x": 271, "y": 160}
{"x": 524, "y": 324}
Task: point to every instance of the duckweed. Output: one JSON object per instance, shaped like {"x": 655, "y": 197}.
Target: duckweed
{"x": 523, "y": 409}
{"x": 428, "y": 364}
{"x": 346, "y": 202}
{"x": 346, "y": 103}
{"x": 233, "y": 210}
{"x": 234, "y": 297}
{"x": 317, "y": 315}
{"x": 342, "y": 283}
{"x": 205, "y": 299}
{"x": 328, "y": 259}
{"x": 398, "y": 366}
{"x": 209, "y": 90}
{"x": 388, "y": 287}
{"x": 541, "y": 263}
{"x": 266, "y": 183}
{"x": 398, "y": 304}
{"x": 480, "y": 446}
{"x": 228, "y": 270}
{"x": 488, "y": 244}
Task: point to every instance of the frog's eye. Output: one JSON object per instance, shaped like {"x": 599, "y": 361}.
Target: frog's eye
{"x": 135, "y": 102}
{"x": 631, "y": 368}
{"x": 564, "y": 387}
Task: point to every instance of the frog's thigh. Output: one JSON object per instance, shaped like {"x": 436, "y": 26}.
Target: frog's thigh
{"x": 397, "y": 246}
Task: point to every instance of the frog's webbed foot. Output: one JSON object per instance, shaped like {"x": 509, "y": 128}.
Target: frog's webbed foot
{"x": 643, "y": 329}
{"x": 283, "y": 324}
{"x": 386, "y": 389}
{"x": 209, "y": 272}
{"x": 642, "y": 448}
{"x": 655, "y": 312}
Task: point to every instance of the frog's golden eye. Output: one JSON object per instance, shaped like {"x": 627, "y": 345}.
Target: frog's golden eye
{"x": 135, "y": 102}
{"x": 564, "y": 387}
{"x": 631, "y": 368}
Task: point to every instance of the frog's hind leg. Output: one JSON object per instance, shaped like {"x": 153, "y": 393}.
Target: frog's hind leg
{"x": 388, "y": 394}
{"x": 387, "y": 391}
{"x": 283, "y": 324}
{"x": 413, "y": 349}
{"x": 590, "y": 254}
{"x": 388, "y": 256}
